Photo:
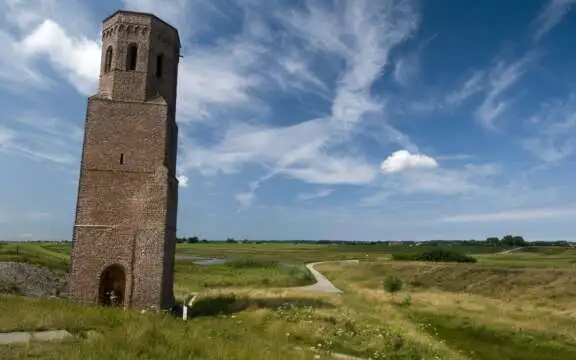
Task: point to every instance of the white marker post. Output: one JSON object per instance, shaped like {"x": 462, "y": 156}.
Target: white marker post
{"x": 188, "y": 303}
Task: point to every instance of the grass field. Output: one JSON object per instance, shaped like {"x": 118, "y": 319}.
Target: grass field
{"x": 483, "y": 312}
{"x": 520, "y": 305}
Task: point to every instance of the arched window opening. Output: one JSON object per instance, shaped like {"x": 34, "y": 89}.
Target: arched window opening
{"x": 108, "y": 59}
{"x": 159, "y": 65}
{"x": 122, "y": 159}
{"x": 132, "y": 57}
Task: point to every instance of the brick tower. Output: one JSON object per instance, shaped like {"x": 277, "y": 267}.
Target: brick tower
{"x": 125, "y": 227}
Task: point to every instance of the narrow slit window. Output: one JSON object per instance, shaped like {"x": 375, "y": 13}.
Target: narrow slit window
{"x": 159, "y": 65}
{"x": 122, "y": 159}
{"x": 108, "y": 59}
{"x": 132, "y": 57}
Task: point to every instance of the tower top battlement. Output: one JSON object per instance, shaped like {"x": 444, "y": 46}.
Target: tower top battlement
{"x": 135, "y": 18}
{"x": 140, "y": 57}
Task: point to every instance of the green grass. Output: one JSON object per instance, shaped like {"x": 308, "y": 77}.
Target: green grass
{"x": 130, "y": 335}
{"x": 249, "y": 273}
{"x": 223, "y": 326}
{"x": 507, "y": 306}
{"x": 537, "y": 258}
{"x": 36, "y": 254}
{"x": 481, "y": 312}
{"x": 485, "y": 342}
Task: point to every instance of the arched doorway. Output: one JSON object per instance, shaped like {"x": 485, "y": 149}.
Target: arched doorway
{"x": 112, "y": 286}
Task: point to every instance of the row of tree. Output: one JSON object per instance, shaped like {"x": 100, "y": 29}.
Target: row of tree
{"x": 505, "y": 241}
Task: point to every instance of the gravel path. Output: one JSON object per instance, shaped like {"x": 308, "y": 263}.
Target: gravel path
{"x": 322, "y": 283}
{"x": 510, "y": 251}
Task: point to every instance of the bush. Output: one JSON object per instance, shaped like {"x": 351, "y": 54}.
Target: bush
{"x": 392, "y": 284}
{"x": 435, "y": 255}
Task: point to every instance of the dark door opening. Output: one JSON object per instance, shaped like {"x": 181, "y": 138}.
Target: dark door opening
{"x": 112, "y": 286}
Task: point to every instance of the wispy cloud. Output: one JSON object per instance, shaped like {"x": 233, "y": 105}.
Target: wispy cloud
{"x": 245, "y": 199}
{"x": 407, "y": 67}
{"x": 42, "y": 139}
{"x": 550, "y": 16}
{"x": 320, "y": 193}
{"x": 16, "y": 70}
{"x": 467, "y": 180}
{"x": 513, "y": 215}
{"x": 361, "y": 34}
{"x": 473, "y": 85}
{"x": 552, "y": 129}
{"x": 501, "y": 77}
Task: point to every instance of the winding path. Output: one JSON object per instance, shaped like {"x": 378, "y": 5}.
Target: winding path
{"x": 322, "y": 283}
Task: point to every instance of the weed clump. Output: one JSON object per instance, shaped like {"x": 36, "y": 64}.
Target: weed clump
{"x": 392, "y": 284}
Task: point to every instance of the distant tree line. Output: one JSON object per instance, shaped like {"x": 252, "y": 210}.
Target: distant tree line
{"x": 505, "y": 241}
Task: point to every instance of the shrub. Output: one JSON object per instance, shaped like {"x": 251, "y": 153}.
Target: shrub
{"x": 392, "y": 284}
{"x": 435, "y": 255}
{"x": 407, "y": 301}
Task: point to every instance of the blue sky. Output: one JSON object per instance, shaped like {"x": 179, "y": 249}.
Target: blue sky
{"x": 353, "y": 120}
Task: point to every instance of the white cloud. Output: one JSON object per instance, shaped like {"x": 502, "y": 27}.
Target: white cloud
{"x": 55, "y": 30}
{"x": 78, "y": 58}
{"x": 321, "y": 193}
{"x": 182, "y": 181}
{"x": 218, "y": 79}
{"x": 402, "y": 160}
{"x": 16, "y": 68}
{"x": 513, "y": 215}
{"x": 550, "y": 16}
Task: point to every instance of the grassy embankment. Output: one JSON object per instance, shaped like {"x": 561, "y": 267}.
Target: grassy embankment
{"x": 479, "y": 310}
{"x": 453, "y": 312}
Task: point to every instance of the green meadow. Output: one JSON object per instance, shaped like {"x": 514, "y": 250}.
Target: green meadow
{"x": 520, "y": 305}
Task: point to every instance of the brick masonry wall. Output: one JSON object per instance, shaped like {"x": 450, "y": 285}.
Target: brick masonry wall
{"x": 127, "y": 195}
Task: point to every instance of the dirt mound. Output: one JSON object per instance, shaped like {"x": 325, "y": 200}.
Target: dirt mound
{"x": 30, "y": 280}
